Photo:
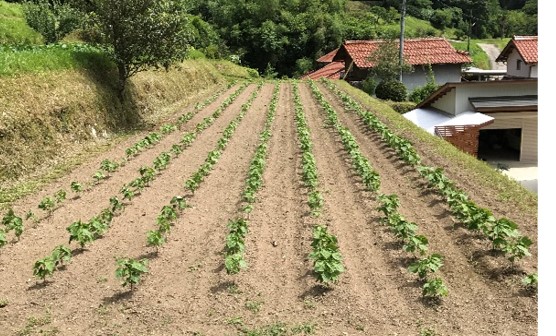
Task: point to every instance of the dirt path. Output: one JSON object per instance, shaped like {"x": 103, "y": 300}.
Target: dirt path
{"x": 493, "y": 52}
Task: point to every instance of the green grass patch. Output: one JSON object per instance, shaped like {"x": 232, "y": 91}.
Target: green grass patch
{"x": 56, "y": 57}
{"x": 413, "y": 28}
{"x": 13, "y": 28}
{"x": 479, "y": 56}
{"x": 231, "y": 70}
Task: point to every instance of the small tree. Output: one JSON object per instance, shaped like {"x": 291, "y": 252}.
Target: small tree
{"x": 52, "y": 19}
{"x": 386, "y": 62}
{"x": 387, "y": 67}
{"x": 142, "y": 34}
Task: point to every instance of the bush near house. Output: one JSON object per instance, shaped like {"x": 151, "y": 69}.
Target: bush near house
{"x": 391, "y": 90}
{"x": 401, "y": 107}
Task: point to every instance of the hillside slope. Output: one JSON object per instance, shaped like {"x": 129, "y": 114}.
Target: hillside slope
{"x": 51, "y": 116}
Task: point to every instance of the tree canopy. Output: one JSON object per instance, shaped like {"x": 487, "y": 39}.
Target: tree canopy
{"x": 142, "y": 33}
{"x": 275, "y": 33}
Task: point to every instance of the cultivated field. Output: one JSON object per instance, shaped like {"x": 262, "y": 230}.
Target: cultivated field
{"x": 286, "y": 158}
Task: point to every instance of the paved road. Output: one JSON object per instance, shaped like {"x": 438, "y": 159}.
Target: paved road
{"x": 493, "y": 52}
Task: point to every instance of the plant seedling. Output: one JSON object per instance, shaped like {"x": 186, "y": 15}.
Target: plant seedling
{"x": 97, "y": 226}
{"x": 435, "y": 288}
{"x": 108, "y": 166}
{"x": 115, "y": 204}
{"x": 426, "y": 265}
{"x": 316, "y": 202}
{"x": 81, "y": 232}
{"x": 327, "y": 261}
{"x": 127, "y": 192}
{"x": 518, "y": 249}
{"x": 76, "y": 187}
{"x": 130, "y": 271}
{"x": 60, "y": 255}
{"x": 155, "y": 238}
{"x": 60, "y": 196}
{"x": 234, "y": 263}
{"x": 13, "y": 222}
{"x": 130, "y": 152}
{"x": 3, "y": 240}
{"x": 178, "y": 203}
{"x": 43, "y": 268}
{"x": 530, "y": 281}
{"x": 47, "y": 204}
{"x": 416, "y": 244}
{"x": 99, "y": 176}
{"x": 176, "y": 149}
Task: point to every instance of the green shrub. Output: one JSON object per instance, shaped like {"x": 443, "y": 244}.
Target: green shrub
{"x": 420, "y": 93}
{"x": 253, "y": 73}
{"x": 402, "y": 107}
{"x": 194, "y": 54}
{"x": 52, "y": 21}
{"x": 369, "y": 85}
{"x": 391, "y": 90}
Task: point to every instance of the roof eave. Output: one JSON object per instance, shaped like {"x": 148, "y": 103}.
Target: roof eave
{"x": 523, "y": 108}
{"x": 443, "y": 90}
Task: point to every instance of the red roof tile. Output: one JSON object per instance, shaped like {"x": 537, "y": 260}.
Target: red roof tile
{"x": 328, "y": 57}
{"x": 527, "y": 47}
{"x": 331, "y": 71}
{"x": 416, "y": 52}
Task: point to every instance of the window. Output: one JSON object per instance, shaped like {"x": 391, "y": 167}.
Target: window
{"x": 518, "y": 65}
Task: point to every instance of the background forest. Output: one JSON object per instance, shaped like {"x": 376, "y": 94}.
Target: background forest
{"x": 284, "y": 37}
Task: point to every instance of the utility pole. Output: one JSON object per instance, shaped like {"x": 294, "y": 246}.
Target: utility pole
{"x": 469, "y": 31}
{"x": 402, "y": 30}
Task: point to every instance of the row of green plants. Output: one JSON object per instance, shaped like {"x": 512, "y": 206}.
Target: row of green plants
{"x": 107, "y": 167}
{"x": 87, "y": 232}
{"x": 197, "y": 178}
{"x": 234, "y": 260}
{"x": 416, "y": 244}
{"x": 326, "y": 256}
{"x": 404, "y": 230}
{"x": 369, "y": 176}
{"x": 13, "y": 222}
{"x": 503, "y": 233}
{"x": 148, "y": 174}
{"x": 130, "y": 270}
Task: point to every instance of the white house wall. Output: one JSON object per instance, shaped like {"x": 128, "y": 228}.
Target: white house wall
{"x": 529, "y": 132}
{"x": 511, "y": 63}
{"x": 486, "y": 90}
{"x": 534, "y": 71}
{"x": 443, "y": 73}
{"x": 447, "y": 103}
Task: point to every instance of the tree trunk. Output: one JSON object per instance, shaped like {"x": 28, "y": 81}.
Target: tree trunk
{"x": 122, "y": 79}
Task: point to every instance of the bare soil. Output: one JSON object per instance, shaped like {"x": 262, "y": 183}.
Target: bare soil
{"x": 187, "y": 290}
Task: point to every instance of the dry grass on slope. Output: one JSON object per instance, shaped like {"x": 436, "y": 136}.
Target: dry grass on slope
{"x": 50, "y": 119}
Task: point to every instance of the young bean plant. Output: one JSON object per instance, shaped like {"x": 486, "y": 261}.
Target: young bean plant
{"x": 129, "y": 271}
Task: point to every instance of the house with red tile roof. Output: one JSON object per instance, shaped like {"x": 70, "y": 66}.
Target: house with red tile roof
{"x": 496, "y": 120}
{"x": 326, "y": 59}
{"x": 446, "y": 62}
{"x": 521, "y": 57}
{"x": 332, "y": 70}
